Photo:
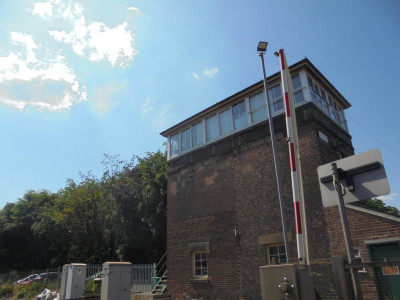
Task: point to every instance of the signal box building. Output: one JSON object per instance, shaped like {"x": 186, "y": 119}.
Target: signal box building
{"x": 224, "y": 219}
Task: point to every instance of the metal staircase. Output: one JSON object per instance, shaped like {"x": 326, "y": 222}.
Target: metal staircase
{"x": 160, "y": 287}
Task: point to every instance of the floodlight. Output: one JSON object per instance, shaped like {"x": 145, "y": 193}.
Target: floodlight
{"x": 262, "y": 46}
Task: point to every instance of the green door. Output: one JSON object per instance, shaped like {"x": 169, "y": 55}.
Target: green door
{"x": 387, "y": 278}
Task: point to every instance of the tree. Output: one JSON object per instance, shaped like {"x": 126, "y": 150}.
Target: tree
{"x": 121, "y": 216}
{"x": 378, "y": 205}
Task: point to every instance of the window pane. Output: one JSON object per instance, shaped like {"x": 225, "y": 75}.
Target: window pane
{"x": 197, "y": 256}
{"x": 204, "y": 256}
{"x": 225, "y": 120}
{"x": 174, "y": 144}
{"x": 273, "y": 250}
{"x": 239, "y": 115}
{"x": 185, "y": 139}
{"x": 211, "y": 128}
{"x": 275, "y": 92}
{"x": 197, "y": 134}
{"x": 296, "y": 83}
{"x": 258, "y": 107}
{"x": 298, "y": 97}
{"x": 277, "y": 106}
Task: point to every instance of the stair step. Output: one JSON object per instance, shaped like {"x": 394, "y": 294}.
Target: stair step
{"x": 162, "y": 297}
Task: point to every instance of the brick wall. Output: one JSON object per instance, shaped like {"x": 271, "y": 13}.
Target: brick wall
{"x": 363, "y": 227}
{"x": 231, "y": 185}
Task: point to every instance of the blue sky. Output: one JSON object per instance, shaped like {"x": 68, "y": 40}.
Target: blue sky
{"x": 80, "y": 79}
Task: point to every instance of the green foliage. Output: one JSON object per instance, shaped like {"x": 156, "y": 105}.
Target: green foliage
{"x": 6, "y": 289}
{"x": 30, "y": 290}
{"x": 121, "y": 216}
{"x": 92, "y": 287}
{"x": 379, "y": 205}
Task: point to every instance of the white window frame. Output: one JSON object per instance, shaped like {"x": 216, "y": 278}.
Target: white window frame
{"x": 268, "y": 254}
{"x": 201, "y": 276}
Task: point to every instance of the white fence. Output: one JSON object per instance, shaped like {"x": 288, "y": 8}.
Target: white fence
{"x": 143, "y": 276}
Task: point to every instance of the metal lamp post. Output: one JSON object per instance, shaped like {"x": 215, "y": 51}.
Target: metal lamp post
{"x": 261, "y": 49}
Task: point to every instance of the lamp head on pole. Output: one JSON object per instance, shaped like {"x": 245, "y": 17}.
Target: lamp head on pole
{"x": 262, "y": 46}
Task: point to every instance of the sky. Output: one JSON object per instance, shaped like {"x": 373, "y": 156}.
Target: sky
{"x": 81, "y": 79}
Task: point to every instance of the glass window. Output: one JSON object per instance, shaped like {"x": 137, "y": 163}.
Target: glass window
{"x": 296, "y": 83}
{"x": 239, "y": 115}
{"x": 197, "y": 134}
{"x": 258, "y": 107}
{"x": 298, "y": 96}
{"x": 200, "y": 264}
{"x": 211, "y": 128}
{"x": 225, "y": 121}
{"x": 275, "y": 92}
{"x": 310, "y": 83}
{"x": 185, "y": 139}
{"x": 174, "y": 144}
{"x": 276, "y": 254}
{"x": 323, "y": 94}
{"x": 277, "y": 105}
{"x": 325, "y": 107}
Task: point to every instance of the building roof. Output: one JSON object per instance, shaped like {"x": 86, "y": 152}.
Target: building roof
{"x": 302, "y": 64}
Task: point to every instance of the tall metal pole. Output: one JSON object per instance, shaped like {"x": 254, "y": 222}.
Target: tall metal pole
{"x": 346, "y": 231}
{"x": 277, "y": 173}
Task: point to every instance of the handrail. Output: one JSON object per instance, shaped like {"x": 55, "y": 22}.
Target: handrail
{"x": 161, "y": 265}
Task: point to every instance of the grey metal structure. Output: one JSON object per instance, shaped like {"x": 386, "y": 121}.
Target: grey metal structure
{"x": 116, "y": 281}
{"x": 262, "y": 48}
{"x": 73, "y": 281}
{"x": 286, "y": 282}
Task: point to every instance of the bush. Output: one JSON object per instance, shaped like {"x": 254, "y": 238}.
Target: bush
{"x": 92, "y": 287}
{"x": 33, "y": 289}
{"x": 6, "y": 289}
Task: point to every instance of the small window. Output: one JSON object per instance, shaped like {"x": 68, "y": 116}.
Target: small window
{"x": 296, "y": 83}
{"x": 185, "y": 139}
{"x": 225, "y": 121}
{"x": 298, "y": 96}
{"x": 197, "y": 134}
{"x": 275, "y": 92}
{"x": 310, "y": 83}
{"x": 276, "y": 254}
{"x": 323, "y": 136}
{"x": 323, "y": 94}
{"x": 211, "y": 128}
{"x": 258, "y": 107}
{"x": 200, "y": 264}
{"x": 174, "y": 144}
{"x": 239, "y": 115}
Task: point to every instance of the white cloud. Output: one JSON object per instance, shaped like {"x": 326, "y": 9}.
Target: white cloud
{"x": 43, "y": 9}
{"x": 38, "y": 73}
{"x": 45, "y": 85}
{"x": 96, "y": 41}
{"x": 134, "y": 9}
{"x": 147, "y": 107}
{"x": 211, "y": 72}
{"x": 208, "y": 73}
{"x": 26, "y": 40}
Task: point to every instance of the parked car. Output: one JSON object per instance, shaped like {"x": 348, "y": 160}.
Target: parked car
{"x": 53, "y": 276}
{"x": 27, "y": 278}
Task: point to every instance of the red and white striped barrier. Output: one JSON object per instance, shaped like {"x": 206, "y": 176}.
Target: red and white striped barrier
{"x": 292, "y": 137}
